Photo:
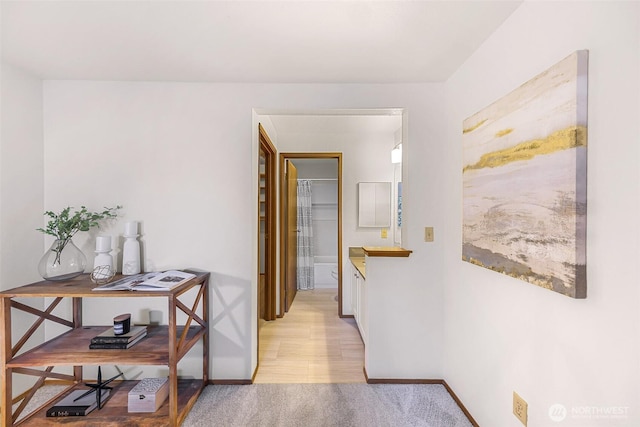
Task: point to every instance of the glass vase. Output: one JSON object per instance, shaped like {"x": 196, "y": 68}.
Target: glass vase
{"x": 62, "y": 261}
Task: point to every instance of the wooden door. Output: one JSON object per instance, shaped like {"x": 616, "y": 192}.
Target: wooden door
{"x": 292, "y": 235}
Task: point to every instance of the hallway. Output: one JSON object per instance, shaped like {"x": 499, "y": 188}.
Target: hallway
{"x": 311, "y": 344}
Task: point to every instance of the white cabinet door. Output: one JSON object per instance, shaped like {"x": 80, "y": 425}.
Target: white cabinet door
{"x": 354, "y": 291}
{"x": 363, "y": 313}
{"x": 358, "y": 301}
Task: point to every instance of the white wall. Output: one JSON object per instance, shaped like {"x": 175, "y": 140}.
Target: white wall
{"x": 21, "y": 189}
{"x": 21, "y": 177}
{"x": 182, "y": 158}
{"x": 504, "y": 335}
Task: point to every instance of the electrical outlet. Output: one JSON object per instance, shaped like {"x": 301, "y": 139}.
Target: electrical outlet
{"x": 383, "y": 233}
{"x": 520, "y": 408}
{"x": 428, "y": 234}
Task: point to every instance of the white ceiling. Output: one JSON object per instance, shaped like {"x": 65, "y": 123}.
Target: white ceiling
{"x": 362, "y": 41}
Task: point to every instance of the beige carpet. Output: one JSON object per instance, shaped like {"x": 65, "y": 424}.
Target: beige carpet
{"x": 312, "y": 405}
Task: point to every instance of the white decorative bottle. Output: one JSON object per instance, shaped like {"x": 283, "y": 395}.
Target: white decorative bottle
{"x": 103, "y": 256}
{"x": 131, "y": 250}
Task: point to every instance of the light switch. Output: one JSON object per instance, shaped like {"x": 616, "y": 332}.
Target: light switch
{"x": 428, "y": 234}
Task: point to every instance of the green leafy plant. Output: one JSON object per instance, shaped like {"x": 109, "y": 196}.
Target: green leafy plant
{"x": 68, "y": 222}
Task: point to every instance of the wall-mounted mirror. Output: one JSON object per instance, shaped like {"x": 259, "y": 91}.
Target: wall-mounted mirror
{"x": 374, "y": 204}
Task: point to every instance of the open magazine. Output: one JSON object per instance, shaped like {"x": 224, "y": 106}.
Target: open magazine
{"x": 155, "y": 281}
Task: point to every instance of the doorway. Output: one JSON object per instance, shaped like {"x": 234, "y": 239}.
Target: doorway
{"x": 289, "y": 228}
{"x": 361, "y": 140}
{"x": 312, "y": 342}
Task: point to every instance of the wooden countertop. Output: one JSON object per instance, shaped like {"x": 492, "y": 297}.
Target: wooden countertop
{"x": 386, "y": 251}
{"x": 357, "y": 255}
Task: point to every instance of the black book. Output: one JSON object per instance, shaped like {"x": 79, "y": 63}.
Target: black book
{"x": 69, "y": 407}
{"x": 117, "y": 345}
{"x": 109, "y": 337}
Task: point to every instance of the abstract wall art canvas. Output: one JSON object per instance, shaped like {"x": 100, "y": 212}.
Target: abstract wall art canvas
{"x": 525, "y": 181}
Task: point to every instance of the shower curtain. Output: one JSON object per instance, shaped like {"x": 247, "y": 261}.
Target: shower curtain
{"x": 305, "y": 236}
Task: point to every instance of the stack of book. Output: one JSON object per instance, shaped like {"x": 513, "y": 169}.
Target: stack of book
{"x": 108, "y": 339}
{"x": 77, "y": 405}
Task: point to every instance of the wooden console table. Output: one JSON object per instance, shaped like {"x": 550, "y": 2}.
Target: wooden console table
{"x": 164, "y": 345}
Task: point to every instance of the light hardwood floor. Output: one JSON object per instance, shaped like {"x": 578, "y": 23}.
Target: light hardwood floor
{"x": 311, "y": 344}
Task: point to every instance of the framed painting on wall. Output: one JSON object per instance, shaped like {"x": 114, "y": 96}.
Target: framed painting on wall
{"x": 525, "y": 181}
